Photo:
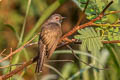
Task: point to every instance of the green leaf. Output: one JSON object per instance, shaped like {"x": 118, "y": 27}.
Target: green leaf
{"x": 11, "y": 27}
{"x": 66, "y": 70}
{"x": 91, "y": 40}
{"x": 83, "y": 46}
{"x": 77, "y": 2}
{"x": 77, "y": 36}
{"x": 62, "y": 1}
{"x": 5, "y": 26}
{"x": 112, "y": 33}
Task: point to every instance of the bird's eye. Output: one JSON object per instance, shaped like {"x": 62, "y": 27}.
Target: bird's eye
{"x": 57, "y": 18}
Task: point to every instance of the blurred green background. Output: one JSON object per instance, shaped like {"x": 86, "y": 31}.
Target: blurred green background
{"x": 20, "y": 20}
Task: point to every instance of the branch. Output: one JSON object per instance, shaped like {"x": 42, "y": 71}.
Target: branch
{"x": 18, "y": 69}
{"x": 112, "y": 12}
{"x": 82, "y": 15}
{"x": 9, "y": 65}
{"x": 114, "y": 41}
{"x": 66, "y": 35}
{"x": 79, "y": 42}
{"x": 86, "y": 24}
{"x": 106, "y": 25}
{"x": 106, "y": 7}
{"x": 75, "y": 41}
{"x": 2, "y": 52}
{"x": 17, "y": 50}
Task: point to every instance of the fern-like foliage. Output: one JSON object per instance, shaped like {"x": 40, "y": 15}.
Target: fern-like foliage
{"x": 91, "y": 40}
{"x": 110, "y": 32}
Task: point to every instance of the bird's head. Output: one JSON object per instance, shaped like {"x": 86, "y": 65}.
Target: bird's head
{"x": 56, "y": 18}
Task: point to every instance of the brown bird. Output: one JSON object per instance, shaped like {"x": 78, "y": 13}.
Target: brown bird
{"x": 48, "y": 39}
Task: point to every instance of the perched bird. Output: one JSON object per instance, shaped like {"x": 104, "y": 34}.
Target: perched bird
{"x": 48, "y": 39}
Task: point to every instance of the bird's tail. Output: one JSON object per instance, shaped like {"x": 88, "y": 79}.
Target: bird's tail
{"x": 40, "y": 60}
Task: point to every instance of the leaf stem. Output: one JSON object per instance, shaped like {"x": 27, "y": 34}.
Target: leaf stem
{"x": 24, "y": 23}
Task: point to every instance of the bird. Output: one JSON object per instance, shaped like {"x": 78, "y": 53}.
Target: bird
{"x": 48, "y": 39}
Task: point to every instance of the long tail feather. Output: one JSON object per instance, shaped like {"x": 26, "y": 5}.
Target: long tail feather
{"x": 41, "y": 57}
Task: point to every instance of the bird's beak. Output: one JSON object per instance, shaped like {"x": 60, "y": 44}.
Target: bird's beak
{"x": 63, "y": 18}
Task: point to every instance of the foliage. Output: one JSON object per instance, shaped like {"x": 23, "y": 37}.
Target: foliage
{"x": 90, "y": 39}
{"x": 21, "y": 19}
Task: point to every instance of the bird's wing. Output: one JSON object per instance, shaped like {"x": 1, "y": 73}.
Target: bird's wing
{"x": 47, "y": 43}
{"x": 50, "y": 36}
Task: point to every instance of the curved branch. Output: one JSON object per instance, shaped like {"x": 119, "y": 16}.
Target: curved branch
{"x": 18, "y": 69}
{"x": 17, "y": 50}
{"x": 86, "y": 24}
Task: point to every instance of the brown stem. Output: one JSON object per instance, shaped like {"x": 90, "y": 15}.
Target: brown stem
{"x": 86, "y": 24}
{"x": 114, "y": 41}
{"x": 18, "y": 69}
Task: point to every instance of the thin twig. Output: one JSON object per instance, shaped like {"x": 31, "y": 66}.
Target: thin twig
{"x": 18, "y": 69}
{"x": 114, "y": 25}
{"x": 10, "y": 69}
{"x": 54, "y": 69}
{"x": 83, "y": 61}
{"x": 24, "y": 23}
{"x": 114, "y": 41}
{"x": 82, "y": 15}
{"x": 17, "y": 50}
{"x": 86, "y": 24}
{"x": 2, "y": 52}
{"x": 112, "y": 12}
{"x": 10, "y": 65}
{"x": 106, "y": 7}
{"x": 60, "y": 61}
{"x": 31, "y": 44}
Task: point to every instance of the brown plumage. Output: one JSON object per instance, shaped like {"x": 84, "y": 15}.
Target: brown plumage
{"x": 48, "y": 39}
